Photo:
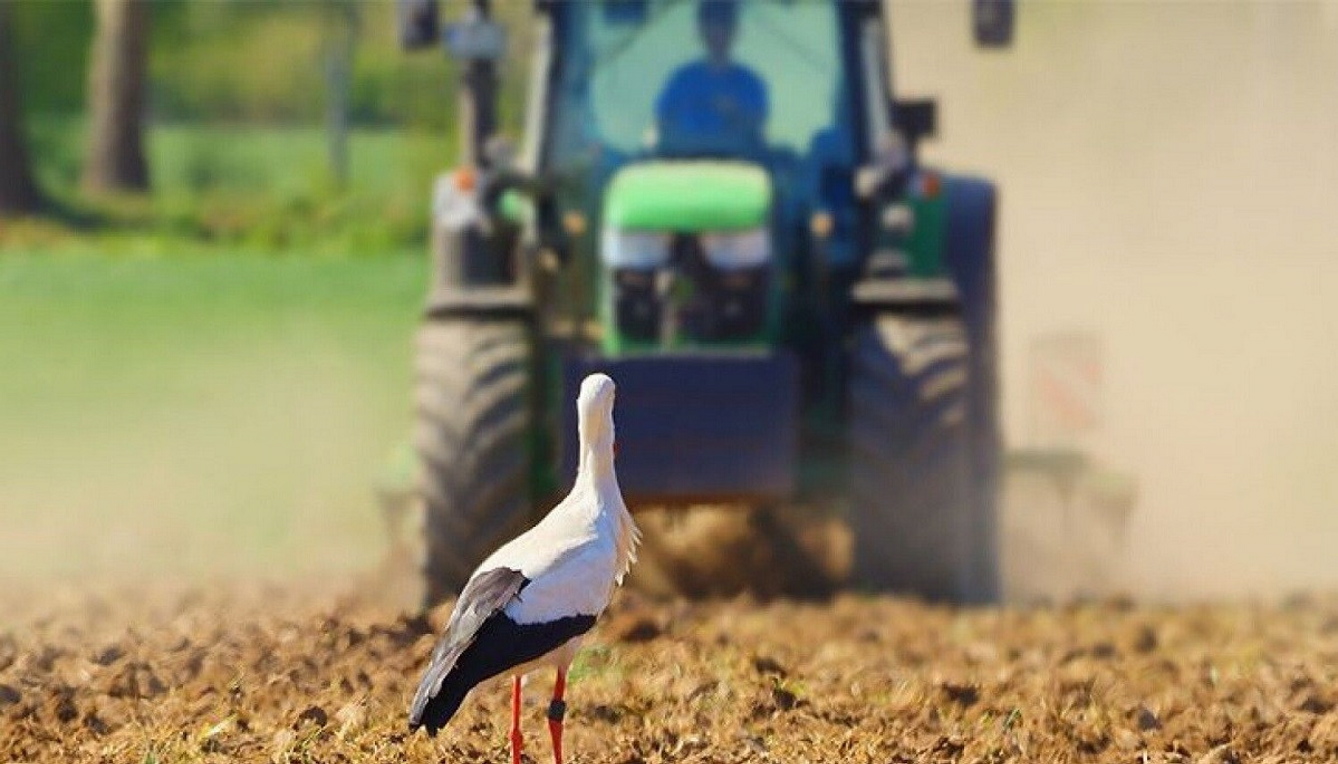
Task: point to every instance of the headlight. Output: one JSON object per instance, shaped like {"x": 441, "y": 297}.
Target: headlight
{"x": 898, "y": 218}
{"x": 737, "y": 250}
{"x": 634, "y": 249}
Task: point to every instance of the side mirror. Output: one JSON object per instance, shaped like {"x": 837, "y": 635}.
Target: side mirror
{"x": 916, "y": 118}
{"x": 992, "y": 22}
{"x": 417, "y": 23}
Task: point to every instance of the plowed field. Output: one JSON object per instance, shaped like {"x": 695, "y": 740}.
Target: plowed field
{"x": 295, "y": 674}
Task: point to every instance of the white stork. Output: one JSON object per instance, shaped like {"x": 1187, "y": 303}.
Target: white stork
{"x": 530, "y": 603}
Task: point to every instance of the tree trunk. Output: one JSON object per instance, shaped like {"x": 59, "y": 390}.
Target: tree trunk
{"x": 117, "y": 77}
{"x": 18, "y": 192}
{"x": 340, "y": 41}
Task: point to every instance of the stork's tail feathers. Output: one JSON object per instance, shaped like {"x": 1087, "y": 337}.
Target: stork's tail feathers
{"x": 433, "y": 712}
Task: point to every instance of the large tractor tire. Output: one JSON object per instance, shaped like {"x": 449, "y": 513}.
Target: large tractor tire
{"x": 969, "y": 256}
{"x": 472, "y": 402}
{"x": 911, "y": 510}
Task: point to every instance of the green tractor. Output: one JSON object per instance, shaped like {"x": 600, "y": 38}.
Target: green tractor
{"x": 719, "y": 204}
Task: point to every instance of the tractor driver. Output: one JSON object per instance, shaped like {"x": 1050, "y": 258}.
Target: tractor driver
{"x": 713, "y": 105}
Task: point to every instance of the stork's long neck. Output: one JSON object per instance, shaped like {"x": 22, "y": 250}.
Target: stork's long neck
{"x": 596, "y": 443}
{"x": 597, "y": 489}
{"x": 597, "y": 467}
{"x": 596, "y": 475}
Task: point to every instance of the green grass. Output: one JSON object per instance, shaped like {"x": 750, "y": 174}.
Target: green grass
{"x": 211, "y": 378}
{"x": 265, "y": 188}
{"x": 198, "y": 415}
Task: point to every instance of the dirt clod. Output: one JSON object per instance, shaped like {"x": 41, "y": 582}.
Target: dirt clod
{"x": 62, "y": 706}
{"x": 1102, "y": 651}
{"x": 784, "y": 699}
{"x": 1145, "y": 640}
{"x": 1147, "y": 721}
{"x": 109, "y": 655}
{"x": 1315, "y": 705}
{"x": 313, "y": 714}
{"x": 765, "y": 665}
{"x": 95, "y": 724}
{"x": 136, "y": 680}
{"x": 961, "y": 694}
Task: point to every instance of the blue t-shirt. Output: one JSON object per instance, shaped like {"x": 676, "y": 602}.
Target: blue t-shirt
{"x": 702, "y": 102}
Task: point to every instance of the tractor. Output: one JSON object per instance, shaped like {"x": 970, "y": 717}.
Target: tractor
{"x": 718, "y": 203}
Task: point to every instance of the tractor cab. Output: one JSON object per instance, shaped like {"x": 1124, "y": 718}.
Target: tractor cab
{"x": 700, "y": 139}
{"x": 717, "y": 203}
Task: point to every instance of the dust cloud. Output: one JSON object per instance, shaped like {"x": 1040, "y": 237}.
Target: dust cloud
{"x": 1169, "y": 177}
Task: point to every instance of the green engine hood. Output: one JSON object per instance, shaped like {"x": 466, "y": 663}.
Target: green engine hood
{"x": 688, "y": 196}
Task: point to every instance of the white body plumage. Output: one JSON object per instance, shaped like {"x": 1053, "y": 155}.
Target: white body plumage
{"x": 580, "y": 551}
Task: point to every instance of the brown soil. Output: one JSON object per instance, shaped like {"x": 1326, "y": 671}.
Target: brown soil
{"x": 285, "y": 675}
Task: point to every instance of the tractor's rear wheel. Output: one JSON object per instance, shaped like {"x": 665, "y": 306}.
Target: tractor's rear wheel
{"x": 473, "y": 420}
{"x": 969, "y": 256}
{"x": 911, "y": 502}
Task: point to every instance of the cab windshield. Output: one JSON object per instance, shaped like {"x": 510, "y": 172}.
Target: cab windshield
{"x": 762, "y": 81}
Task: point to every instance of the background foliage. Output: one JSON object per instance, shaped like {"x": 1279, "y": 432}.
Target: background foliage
{"x": 236, "y": 140}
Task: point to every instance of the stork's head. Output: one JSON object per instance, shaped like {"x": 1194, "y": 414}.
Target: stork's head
{"x": 594, "y": 407}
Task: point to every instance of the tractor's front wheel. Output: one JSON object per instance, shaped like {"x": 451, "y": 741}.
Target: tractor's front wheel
{"x": 911, "y": 508}
{"x": 473, "y": 421}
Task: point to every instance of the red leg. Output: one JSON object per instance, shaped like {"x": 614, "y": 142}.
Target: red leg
{"x": 516, "y": 737}
{"x": 556, "y": 711}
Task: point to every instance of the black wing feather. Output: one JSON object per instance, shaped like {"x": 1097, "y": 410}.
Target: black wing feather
{"x": 484, "y": 595}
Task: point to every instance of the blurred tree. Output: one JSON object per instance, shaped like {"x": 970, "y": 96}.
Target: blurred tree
{"x": 341, "y": 35}
{"x": 116, "y": 88}
{"x": 18, "y": 192}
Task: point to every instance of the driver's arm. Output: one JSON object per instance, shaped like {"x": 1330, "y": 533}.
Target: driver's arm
{"x": 755, "y": 105}
{"x": 672, "y": 100}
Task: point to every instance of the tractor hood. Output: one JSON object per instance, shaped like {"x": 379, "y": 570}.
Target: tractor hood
{"x": 688, "y": 196}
